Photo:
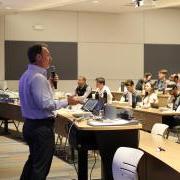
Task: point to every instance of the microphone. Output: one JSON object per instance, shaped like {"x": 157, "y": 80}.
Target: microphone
{"x": 53, "y": 73}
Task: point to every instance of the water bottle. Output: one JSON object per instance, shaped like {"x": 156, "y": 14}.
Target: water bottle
{"x": 101, "y": 114}
{"x": 105, "y": 96}
{"x": 97, "y": 95}
{"x": 134, "y": 103}
{"x": 122, "y": 86}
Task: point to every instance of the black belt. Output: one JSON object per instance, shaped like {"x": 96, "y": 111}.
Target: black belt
{"x": 41, "y": 122}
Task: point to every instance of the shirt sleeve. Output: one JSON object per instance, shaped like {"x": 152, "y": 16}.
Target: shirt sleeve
{"x": 42, "y": 94}
{"x": 124, "y": 97}
{"x": 154, "y": 99}
{"x": 178, "y": 109}
{"x": 109, "y": 96}
{"x": 177, "y": 103}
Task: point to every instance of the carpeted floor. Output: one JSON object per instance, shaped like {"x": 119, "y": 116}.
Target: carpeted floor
{"x": 14, "y": 153}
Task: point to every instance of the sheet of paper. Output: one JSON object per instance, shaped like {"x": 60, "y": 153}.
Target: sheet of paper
{"x": 108, "y": 122}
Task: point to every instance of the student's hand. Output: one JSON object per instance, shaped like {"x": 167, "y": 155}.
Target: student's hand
{"x": 76, "y": 98}
{"x": 72, "y": 100}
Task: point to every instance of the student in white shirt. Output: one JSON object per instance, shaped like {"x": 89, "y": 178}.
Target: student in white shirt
{"x": 150, "y": 97}
{"x": 102, "y": 88}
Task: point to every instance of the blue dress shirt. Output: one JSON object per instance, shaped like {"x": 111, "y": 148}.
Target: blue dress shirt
{"x": 36, "y": 95}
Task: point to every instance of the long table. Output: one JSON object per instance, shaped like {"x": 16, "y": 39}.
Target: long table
{"x": 84, "y": 137}
{"x": 163, "y": 98}
{"x": 116, "y": 95}
{"x": 148, "y": 117}
{"x": 9, "y": 112}
{"x": 154, "y": 165}
{"x": 106, "y": 139}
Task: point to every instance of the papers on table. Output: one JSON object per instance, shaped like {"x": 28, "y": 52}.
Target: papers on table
{"x": 75, "y": 111}
{"x": 114, "y": 122}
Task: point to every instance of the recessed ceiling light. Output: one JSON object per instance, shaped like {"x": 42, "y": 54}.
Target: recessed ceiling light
{"x": 95, "y": 1}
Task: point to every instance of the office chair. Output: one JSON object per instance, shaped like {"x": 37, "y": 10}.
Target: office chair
{"x": 160, "y": 129}
{"x": 175, "y": 130}
{"x": 125, "y": 163}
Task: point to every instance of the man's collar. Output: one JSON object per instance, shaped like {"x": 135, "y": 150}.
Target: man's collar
{"x": 37, "y": 69}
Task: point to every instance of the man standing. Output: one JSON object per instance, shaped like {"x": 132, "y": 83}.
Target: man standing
{"x": 38, "y": 106}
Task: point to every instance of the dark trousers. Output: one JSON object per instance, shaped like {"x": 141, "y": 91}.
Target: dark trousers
{"x": 39, "y": 135}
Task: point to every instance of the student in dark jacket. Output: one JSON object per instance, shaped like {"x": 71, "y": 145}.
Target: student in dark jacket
{"x": 131, "y": 93}
{"x": 141, "y": 82}
{"x": 83, "y": 90}
{"x": 173, "y": 121}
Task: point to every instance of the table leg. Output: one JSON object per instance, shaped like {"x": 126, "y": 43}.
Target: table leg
{"x": 6, "y": 127}
{"x": 82, "y": 164}
{"x": 106, "y": 165}
{"x": 109, "y": 142}
{"x": 72, "y": 151}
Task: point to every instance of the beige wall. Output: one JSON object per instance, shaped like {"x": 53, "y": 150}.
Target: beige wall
{"x": 58, "y": 26}
{"x": 162, "y": 26}
{"x": 111, "y": 28}
{"x": 111, "y": 60}
{"x": 109, "y": 45}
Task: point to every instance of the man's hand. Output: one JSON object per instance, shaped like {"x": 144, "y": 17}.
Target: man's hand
{"x": 72, "y": 100}
{"x": 53, "y": 79}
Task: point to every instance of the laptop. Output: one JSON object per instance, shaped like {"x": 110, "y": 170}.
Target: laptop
{"x": 93, "y": 105}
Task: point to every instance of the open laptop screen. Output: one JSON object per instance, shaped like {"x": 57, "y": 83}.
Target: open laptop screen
{"x": 90, "y": 105}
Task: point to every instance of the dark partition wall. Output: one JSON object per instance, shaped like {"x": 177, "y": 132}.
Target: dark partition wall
{"x": 65, "y": 58}
{"x": 158, "y": 56}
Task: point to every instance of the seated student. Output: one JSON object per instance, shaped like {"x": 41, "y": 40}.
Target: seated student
{"x": 161, "y": 83}
{"x": 175, "y": 93}
{"x": 83, "y": 90}
{"x": 141, "y": 82}
{"x": 170, "y": 82}
{"x": 150, "y": 97}
{"x": 103, "y": 90}
{"x": 177, "y": 80}
{"x": 130, "y": 93}
{"x": 173, "y": 120}
{"x": 171, "y": 79}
